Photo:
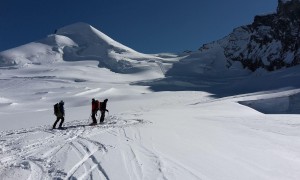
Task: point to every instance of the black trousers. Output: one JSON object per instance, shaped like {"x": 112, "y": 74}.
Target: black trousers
{"x": 102, "y": 116}
{"x": 61, "y": 122}
{"x": 94, "y": 117}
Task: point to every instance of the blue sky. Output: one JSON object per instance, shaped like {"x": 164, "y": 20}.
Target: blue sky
{"x": 148, "y": 26}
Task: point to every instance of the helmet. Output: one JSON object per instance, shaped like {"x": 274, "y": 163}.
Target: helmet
{"x": 61, "y": 102}
{"x": 105, "y": 99}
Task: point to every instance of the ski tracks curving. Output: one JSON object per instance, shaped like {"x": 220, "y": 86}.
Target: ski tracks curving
{"x": 59, "y": 154}
{"x": 88, "y": 152}
{"x": 89, "y": 159}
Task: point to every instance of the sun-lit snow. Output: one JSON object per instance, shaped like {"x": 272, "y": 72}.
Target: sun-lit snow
{"x": 226, "y": 124}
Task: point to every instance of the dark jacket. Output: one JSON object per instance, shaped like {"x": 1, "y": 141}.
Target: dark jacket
{"x": 62, "y": 109}
{"x": 103, "y": 105}
{"x": 95, "y": 105}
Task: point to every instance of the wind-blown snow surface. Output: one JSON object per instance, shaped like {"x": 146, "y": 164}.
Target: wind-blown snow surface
{"x": 207, "y": 131}
{"x": 147, "y": 135}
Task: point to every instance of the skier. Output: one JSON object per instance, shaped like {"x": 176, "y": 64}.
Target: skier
{"x": 103, "y": 109}
{"x": 95, "y": 108}
{"x": 59, "y": 112}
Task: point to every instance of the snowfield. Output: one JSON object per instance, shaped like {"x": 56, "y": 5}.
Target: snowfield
{"x": 210, "y": 124}
{"x": 147, "y": 134}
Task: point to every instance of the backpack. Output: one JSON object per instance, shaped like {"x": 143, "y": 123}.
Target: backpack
{"x": 97, "y": 105}
{"x": 56, "y": 108}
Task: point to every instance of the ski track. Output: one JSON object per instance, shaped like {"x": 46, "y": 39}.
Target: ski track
{"x": 89, "y": 154}
{"x": 146, "y": 163}
{"x": 144, "y": 160}
{"x": 39, "y": 155}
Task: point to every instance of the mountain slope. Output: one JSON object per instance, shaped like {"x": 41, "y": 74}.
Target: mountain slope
{"x": 147, "y": 134}
{"x": 166, "y": 135}
{"x": 271, "y": 42}
{"x": 81, "y": 41}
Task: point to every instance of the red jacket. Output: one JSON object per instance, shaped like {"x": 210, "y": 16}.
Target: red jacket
{"x": 95, "y": 105}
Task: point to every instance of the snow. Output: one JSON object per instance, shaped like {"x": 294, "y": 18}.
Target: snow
{"x": 226, "y": 124}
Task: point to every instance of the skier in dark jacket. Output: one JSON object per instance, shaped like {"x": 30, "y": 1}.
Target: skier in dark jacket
{"x": 95, "y": 108}
{"x": 60, "y": 113}
{"x": 103, "y": 109}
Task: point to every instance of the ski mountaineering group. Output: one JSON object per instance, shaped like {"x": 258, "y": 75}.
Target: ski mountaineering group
{"x": 59, "y": 112}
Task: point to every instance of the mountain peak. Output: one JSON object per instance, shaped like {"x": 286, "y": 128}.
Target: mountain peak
{"x": 76, "y": 42}
{"x": 78, "y": 24}
{"x": 289, "y": 8}
{"x": 271, "y": 41}
{"x": 83, "y": 33}
{"x": 78, "y": 28}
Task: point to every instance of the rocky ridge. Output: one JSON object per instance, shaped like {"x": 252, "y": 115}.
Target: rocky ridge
{"x": 270, "y": 42}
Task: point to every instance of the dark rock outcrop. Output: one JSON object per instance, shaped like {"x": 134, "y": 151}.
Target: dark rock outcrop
{"x": 271, "y": 42}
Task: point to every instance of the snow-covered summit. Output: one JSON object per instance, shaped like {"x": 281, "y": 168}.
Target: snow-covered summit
{"x": 83, "y": 33}
{"x": 81, "y": 41}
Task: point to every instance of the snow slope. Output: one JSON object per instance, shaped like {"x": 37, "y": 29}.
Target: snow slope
{"x": 202, "y": 121}
{"x": 81, "y": 41}
{"x": 147, "y": 134}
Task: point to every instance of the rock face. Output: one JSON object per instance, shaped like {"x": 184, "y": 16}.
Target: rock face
{"x": 271, "y": 42}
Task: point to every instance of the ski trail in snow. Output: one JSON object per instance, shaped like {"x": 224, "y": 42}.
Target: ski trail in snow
{"x": 45, "y": 152}
{"x": 96, "y": 163}
{"x": 81, "y": 156}
{"x": 171, "y": 164}
{"x": 144, "y": 163}
{"x": 36, "y": 171}
{"x": 89, "y": 154}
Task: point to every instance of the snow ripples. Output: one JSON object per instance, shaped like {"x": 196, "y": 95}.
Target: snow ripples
{"x": 72, "y": 153}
